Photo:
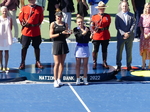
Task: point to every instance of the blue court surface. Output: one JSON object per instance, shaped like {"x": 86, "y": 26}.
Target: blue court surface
{"x": 104, "y": 96}
{"x": 94, "y": 98}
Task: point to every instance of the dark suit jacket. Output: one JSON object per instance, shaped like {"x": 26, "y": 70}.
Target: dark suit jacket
{"x": 10, "y": 4}
{"x": 67, "y": 5}
{"x": 122, "y": 27}
{"x": 51, "y": 5}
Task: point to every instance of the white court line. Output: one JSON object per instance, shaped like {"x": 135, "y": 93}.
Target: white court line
{"x": 79, "y": 98}
{"x": 46, "y": 20}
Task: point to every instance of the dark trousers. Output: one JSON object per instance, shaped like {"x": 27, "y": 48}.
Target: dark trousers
{"x": 138, "y": 13}
{"x": 104, "y": 44}
{"x": 51, "y": 16}
{"x": 26, "y": 41}
{"x": 128, "y": 48}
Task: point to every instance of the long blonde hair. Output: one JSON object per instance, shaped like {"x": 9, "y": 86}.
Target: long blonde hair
{"x": 145, "y": 10}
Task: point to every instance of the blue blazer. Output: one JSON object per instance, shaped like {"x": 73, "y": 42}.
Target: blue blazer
{"x": 122, "y": 27}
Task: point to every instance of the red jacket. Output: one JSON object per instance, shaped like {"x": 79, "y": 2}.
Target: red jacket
{"x": 32, "y": 16}
{"x": 101, "y": 22}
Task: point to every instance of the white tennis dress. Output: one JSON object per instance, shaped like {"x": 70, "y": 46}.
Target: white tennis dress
{"x": 5, "y": 33}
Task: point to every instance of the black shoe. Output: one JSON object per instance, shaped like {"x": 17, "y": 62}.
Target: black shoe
{"x": 22, "y": 66}
{"x": 119, "y": 80}
{"x": 118, "y": 69}
{"x": 94, "y": 66}
{"x": 38, "y": 65}
{"x": 130, "y": 69}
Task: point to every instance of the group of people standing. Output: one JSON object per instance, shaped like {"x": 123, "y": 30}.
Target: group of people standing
{"x": 31, "y": 17}
{"x": 98, "y": 32}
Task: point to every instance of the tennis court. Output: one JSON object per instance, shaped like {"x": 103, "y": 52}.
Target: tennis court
{"x": 103, "y": 96}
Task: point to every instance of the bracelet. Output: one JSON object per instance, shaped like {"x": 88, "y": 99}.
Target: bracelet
{"x": 60, "y": 33}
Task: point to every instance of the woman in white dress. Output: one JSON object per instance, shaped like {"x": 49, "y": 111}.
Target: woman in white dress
{"x": 5, "y": 36}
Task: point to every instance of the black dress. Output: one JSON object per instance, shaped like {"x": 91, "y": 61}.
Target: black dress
{"x": 59, "y": 43}
{"x": 81, "y": 8}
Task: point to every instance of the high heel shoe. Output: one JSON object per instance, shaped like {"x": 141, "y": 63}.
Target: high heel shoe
{"x": 22, "y": 66}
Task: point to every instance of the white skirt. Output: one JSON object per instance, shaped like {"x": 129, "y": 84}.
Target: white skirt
{"x": 82, "y": 51}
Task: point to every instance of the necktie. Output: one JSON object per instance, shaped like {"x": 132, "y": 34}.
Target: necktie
{"x": 125, "y": 18}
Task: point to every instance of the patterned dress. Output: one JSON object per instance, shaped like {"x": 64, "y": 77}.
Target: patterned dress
{"x": 145, "y": 43}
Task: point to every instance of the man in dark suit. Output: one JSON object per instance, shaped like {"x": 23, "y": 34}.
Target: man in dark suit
{"x": 124, "y": 23}
{"x": 52, "y": 6}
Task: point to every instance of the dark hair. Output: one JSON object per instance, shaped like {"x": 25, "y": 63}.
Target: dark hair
{"x": 58, "y": 12}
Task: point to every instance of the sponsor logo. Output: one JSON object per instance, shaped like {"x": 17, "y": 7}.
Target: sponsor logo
{"x": 46, "y": 77}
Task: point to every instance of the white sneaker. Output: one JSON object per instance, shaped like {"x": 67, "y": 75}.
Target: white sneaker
{"x": 15, "y": 40}
{"x": 78, "y": 81}
{"x": 85, "y": 81}
{"x": 56, "y": 84}
{"x": 136, "y": 39}
{"x": 59, "y": 82}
